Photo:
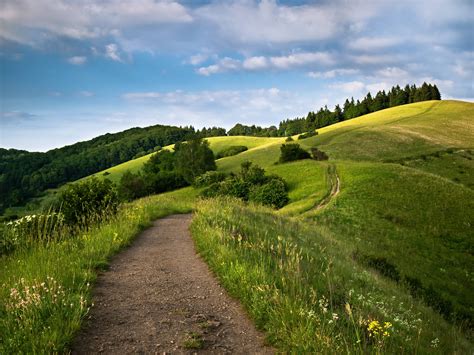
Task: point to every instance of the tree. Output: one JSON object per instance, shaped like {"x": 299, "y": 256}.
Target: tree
{"x": 194, "y": 158}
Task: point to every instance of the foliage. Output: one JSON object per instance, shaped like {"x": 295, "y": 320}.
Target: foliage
{"x": 85, "y": 201}
{"x": 132, "y": 186}
{"x": 292, "y": 152}
{"x": 24, "y": 175}
{"x": 289, "y": 139}
{"x": 318, "y": 155}
{"x": 307, "y": 135}
{"x": 251, "y": 184}
{"x": 194, "y": 158}
{"x": 209, "y": 178}
{"x": 274, "y": 193}
{"x": 230, "y": 151}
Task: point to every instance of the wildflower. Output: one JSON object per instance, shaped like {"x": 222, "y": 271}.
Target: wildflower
{"x": 435, "y": 343}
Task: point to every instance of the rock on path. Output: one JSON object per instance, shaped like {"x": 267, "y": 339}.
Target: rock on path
{"x": 160, "y": 297}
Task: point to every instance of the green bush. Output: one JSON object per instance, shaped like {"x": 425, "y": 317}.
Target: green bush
{"x": 251, "y": 184}
{"x": 164, "y": 181}
{"x": 307, "y": 135}
{"x": 318, "y": 154}
{"x": 273, "y": 193}
{"x": 87, "y": 201}
{"x": 209, "y": 178}
{"x": 132, "y": 186}
{"x": 194, "y": 158}
{"x": 289, "y": 139}
{"x": 230, "y": 151}
{"x": 292, "y": 152}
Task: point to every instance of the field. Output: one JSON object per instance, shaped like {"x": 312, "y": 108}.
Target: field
{"x": 384, "y": 265}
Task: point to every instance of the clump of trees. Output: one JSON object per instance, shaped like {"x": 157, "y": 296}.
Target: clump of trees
{"x": 230, "y": 151}
{"x": 167, "y": 170}
{"x": 307, "y": 135}
{"x": 251, "y": 184}
{"x": 292, "y": 152}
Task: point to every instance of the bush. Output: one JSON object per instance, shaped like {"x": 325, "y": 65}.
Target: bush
{"x": 230, "y": 151}
{"x": 89, "y": 200}
{"x": 307, "y": 135}
{"x": 318, "y": 155}
{"x": 209, "y": 178}
{"x": 132, "y": 186}
{"x": 289, "y": 139}
{"x": 292, "y": 152}
{"x": 273, "y": 193}
{"x": 164, "y": 181}
{"x": 251, "y": 184}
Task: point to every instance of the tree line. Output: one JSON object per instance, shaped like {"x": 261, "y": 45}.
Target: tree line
{"x": 324, "y": 117}
{"x": 24, "y": 175}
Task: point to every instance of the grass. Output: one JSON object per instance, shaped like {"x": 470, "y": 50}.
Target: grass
{"x": 46, "y": 288}
{"x": 302, "y": 286}
{"x": 395, "y": 245}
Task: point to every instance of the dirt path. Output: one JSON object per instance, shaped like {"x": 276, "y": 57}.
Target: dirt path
{"x": 335, "y": 188}
{"x": 160, "y": 297}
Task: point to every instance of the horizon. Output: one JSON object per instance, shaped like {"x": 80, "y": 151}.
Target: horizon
{"x": 80, "y": 70}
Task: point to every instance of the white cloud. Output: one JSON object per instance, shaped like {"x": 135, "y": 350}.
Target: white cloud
{"x": 223, "y": 65}
{"x": 112, "y": 52}
{"x": 255, "y": 63}
{"x": 374, "y": 43}
{"x": 77, "y": 60}
{"x": 392, "y": 72}
{"x": 351, "y": 87}
{"x": 82, "y": 19}
{"x": 374, "y": 59}
{"x": 260, "y": 62}
{"x": 299, "y": 59}
{"x": 198, "y": 59}
{"x": 267, "y": 21}
{"x": 332, "y": 73}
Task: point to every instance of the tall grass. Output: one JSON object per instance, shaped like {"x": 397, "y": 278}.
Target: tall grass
{"x": 46, "y": 287}
{"x": 303, "y": 288}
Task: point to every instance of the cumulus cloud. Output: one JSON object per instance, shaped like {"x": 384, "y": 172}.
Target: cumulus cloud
{"x": 374, "y": 43}
{"x": 350, "y": 87}
{"x": 112, "y": 52}
{"x": 333, "y": 73}
{"x": 83, "y": 19}
{"x": 77, "y": 60}
{"x": 255, "y": 63}
{"x": 284, "y": 62}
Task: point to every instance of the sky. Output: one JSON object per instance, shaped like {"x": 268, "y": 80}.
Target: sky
{"x": 71, "y": 70}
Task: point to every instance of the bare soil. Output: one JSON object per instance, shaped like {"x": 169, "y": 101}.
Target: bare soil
{"x": 160, "y": 297}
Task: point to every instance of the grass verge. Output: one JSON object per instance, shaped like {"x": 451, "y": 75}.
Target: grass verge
{"x": 46, "y": 289}
{"x": 305, "y": 290}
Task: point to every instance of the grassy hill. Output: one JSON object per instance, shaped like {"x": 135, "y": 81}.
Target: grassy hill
{"x": 383, "y": 266}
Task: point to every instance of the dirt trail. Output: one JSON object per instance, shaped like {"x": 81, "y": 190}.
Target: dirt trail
{"x": 160, "y": 297}
{"x": 335, "y": 188}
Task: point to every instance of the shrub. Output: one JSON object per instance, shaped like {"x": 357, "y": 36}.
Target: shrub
{"x": 230, "y": 151}
{"x": 318, "y": 154}
{"x": 307, "y": 135}
{"x": 209, "y": 178}
{"x": 252, "y": 184}
{"x": 88, "y": 200}
{"x": 292, "y": 152}
{"x": 289, "y": 139}
{"x": 273, "y": 193}
{"x": 164, "y": 181}
{"x": 132, "y": 186}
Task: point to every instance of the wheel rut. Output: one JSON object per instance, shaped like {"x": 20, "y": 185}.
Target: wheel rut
{"x": 335, "y": 183}
{"x": 159, "y": 296}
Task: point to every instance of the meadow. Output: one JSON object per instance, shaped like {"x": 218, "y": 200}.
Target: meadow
{"x": 384, "y": 267}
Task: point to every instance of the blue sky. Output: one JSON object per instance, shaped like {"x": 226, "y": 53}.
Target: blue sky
{"x": 72, "y": 70}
